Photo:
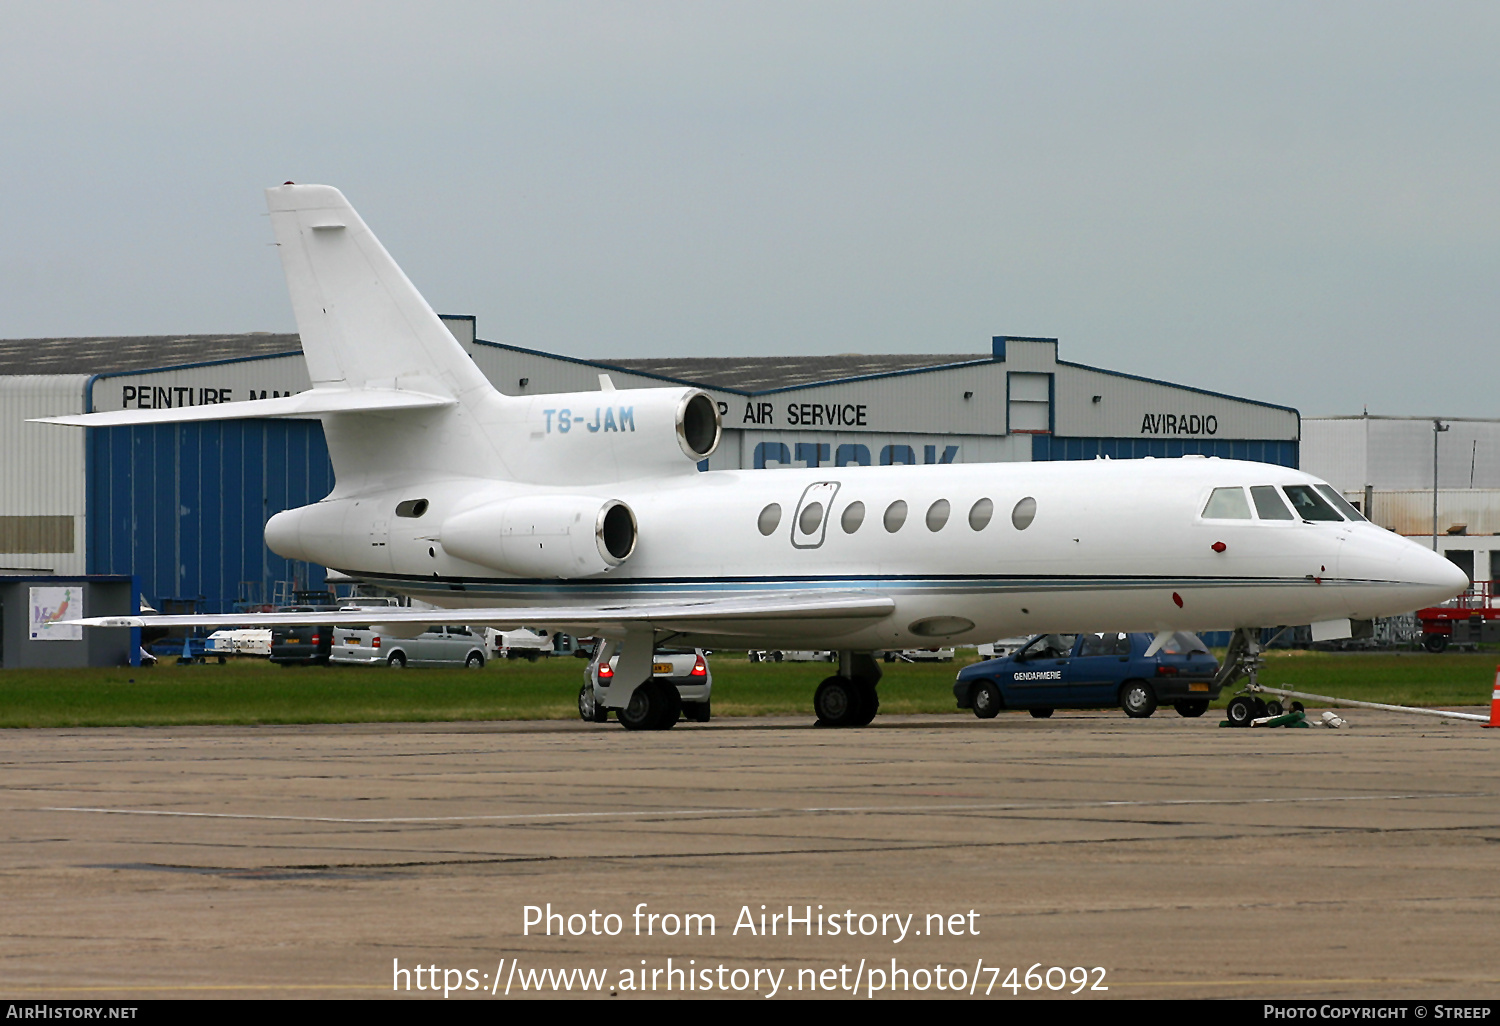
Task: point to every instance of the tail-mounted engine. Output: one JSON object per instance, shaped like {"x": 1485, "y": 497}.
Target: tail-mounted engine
{"x": 559, "y": 536}
{"x": 613, "y": 435}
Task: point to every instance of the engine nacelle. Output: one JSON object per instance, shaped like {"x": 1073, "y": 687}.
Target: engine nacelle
{"x": 613, "y": 435}
{"x": 561, "y": 536}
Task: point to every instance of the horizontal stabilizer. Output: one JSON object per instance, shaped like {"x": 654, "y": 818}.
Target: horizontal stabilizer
{"x": 304, "y": 404}
{"x": 754, "y": 609}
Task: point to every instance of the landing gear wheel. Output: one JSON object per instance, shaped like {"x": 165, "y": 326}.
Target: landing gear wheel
{"x": 1137, "y": 699}
{"x": 986, "y": 700}
{"x": 1191, "y": 707}
{"x": 1241, "y": 711}
{"x": 652, "y": 706}
{"x": 1298, "y": 707}
{"x": 869, "y": 704}
{"x": 1273, "y": 708}
{"x": 837, "y": 702}
{"x": 1041, "y": 714}
{"x": 1261, "y": 709}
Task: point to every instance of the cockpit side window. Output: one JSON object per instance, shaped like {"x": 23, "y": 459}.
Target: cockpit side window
{"x": 1227, "y": 504}
{"x": 1341, "y": 504}
{"x": 1268, "y": 504}
{"x": 1309, "y": 504}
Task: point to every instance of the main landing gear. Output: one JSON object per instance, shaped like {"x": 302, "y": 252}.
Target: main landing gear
{"x": 849, "y": 699}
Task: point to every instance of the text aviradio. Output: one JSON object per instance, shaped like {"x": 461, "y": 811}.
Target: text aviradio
{"x": 1179, "y": 424}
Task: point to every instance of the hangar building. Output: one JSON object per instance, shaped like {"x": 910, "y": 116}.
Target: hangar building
{"x": 181, "y": 506}
{"x": 1386, "y": 466}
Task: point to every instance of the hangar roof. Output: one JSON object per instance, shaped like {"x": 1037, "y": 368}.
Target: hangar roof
{"x": 116, "y": 353}
{"x": 768, "y": 373}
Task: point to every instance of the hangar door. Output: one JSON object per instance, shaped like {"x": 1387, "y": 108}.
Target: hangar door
{"x": 184, "y": 505}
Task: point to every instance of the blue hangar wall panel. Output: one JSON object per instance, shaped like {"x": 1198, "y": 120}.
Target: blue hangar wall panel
{"x": 184, "y": 505}
{"x": 1278, "y": 451}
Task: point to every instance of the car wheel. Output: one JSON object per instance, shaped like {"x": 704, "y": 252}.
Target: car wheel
{"x": 1040, "y": 714}
{"x": 1191, "y": 707}
{"x": 474, "y": 662}
{"x": 836, "y": 702}
{"x": 1241, "y": 711}
{"x": 986, "y": 700}
{"x": 1137, "y": 699}
{"x": 698, "y": 712}
{"x": 397, "y": 661}
{"x": 775, "y": 657}
{"x": 1435, "y": 643}
{"x": 586, "y": 704}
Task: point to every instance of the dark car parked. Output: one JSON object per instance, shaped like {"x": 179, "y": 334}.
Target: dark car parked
{"x": 304, "y": 644}
{"x": 1093, "y": 671}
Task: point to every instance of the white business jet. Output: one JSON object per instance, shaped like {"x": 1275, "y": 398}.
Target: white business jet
{"x": 587, "y": 513}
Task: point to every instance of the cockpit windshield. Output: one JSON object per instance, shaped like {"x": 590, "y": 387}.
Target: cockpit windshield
{"x": 1341, "y": 504}
{"x": 1309, "y": 504}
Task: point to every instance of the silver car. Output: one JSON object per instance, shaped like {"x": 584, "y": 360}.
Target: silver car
{"x": 686, "y": 668}
{"x": 436, "y": 646}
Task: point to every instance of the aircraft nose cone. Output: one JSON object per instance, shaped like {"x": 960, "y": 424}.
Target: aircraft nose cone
{"x": 1442, "y": 575}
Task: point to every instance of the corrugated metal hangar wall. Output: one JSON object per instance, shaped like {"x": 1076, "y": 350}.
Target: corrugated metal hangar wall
{"x": 183, "y": 506}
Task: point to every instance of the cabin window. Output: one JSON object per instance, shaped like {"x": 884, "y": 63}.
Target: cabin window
{"x": 1341, "y": 504}
{"x": 1227, "y": 504}
{"x": 1268, "y": 504}
{"x": 980, "y": 514}
{"x": 854, "y": 515}
{"x": 811, "y": 518}
{"x": 895, "y": 516}
{"x": 411, "y": 508}
{"x": 937, "y": 515}
{"x": 770, "y": 519}
{"x": 1024, "y": 513}
{"x": 1309, "y": 504}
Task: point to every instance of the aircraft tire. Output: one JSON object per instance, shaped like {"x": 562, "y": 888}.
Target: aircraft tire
{"x": 837, "y": 702}
{"x": 1240, "y": 712}
{"x": 671, "y": 706}
{"x": 869, "y": 704}
{"x": 986, "y": 700}
{"x": 644, "y": 709}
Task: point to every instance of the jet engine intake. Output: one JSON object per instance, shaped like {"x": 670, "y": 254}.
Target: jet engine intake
{"x": 558, "y": 536}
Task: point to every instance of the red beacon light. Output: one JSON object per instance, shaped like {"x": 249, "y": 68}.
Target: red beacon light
{"x": 1218, "y": 546}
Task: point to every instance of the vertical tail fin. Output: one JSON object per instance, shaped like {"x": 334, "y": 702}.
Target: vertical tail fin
{"x": 362, "y": 322}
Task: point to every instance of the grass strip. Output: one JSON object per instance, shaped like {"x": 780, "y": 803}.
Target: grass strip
{"x": 246, "y": 691}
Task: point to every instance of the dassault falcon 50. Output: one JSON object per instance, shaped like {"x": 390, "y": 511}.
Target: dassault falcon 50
{"x": 587, "y": 512}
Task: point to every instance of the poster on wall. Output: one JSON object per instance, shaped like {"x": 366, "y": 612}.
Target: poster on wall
{"x": 49, "y": 605}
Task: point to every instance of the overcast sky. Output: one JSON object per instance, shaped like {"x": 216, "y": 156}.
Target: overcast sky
{"x": 1294, "y": 202}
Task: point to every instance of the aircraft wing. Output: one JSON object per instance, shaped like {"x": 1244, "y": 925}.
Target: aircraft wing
{"x": 311, "y": 403}
{"x": 746, "y": 611}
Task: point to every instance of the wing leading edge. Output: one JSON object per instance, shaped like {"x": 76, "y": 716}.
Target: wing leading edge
{"x": 723, "y": 614}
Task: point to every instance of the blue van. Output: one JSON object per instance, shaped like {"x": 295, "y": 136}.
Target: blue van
{"x": 1093, "y": 671}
